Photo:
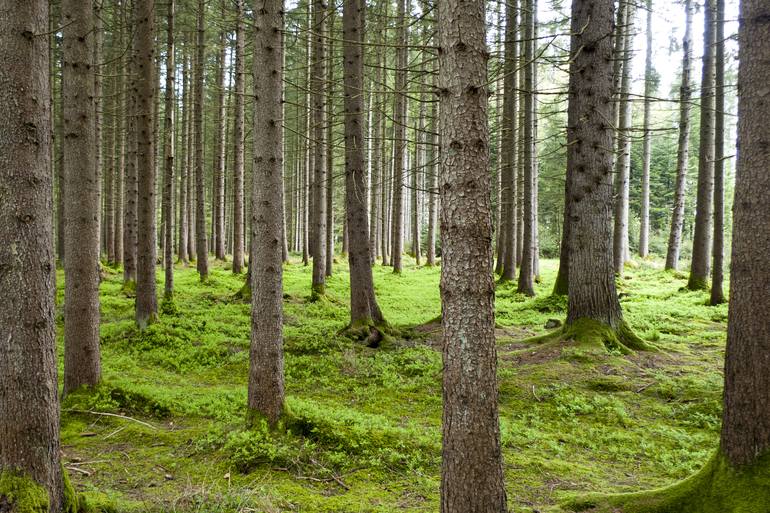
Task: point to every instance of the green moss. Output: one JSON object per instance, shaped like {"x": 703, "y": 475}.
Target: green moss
{"x": 22, "y": 493}
{"x": 317, "y": 292}
{"x": 168, "y": 305}
{"x": 96, "y": 502}
{"x": 111, "y": 397}
{"x": 71, "y": 503}
{"x": 129, "y": 288}
{"x": 716, "y": 488}
{"x": 591, "y": 333}
{"x": 696, "y": 283}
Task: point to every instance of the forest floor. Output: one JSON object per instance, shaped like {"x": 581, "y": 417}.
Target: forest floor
{"x": 362, "y": 432}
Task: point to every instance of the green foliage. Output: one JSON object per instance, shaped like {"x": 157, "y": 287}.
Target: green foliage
{"x": 112, "y": 397}
{"x": 21, "y": 493}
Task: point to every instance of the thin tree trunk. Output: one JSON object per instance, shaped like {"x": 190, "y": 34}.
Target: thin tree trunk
{"x": 649, "y": 89}
{"x": 98, "y": 106}
{"x": 131, "y": 184}
{"x": 29, "y": 423}
{"x": 238, "y": 156}
{"x": 201, "y": 242}
{"x": 364, "y": 310}
{"x": 623, "y": 162}
{"x": 220, "y": 154}
{"x": 472, "y": 465}
{"x": 527, "y": 270}
{"x": 146, "y": 295}
{"x": 329, "y": 241}
{"x": 717, "y": 274}
{"x": 399, "y": 137}
{"x": 184, "y": 174}
{"x": 682, "y": 154}
{"x": 82, "y": 365}
{"x": 266, "y": 388}
{"x": 433, "y": 193}
{"x": 318, "y": 80}
{"x": 169, "y": 152}
{"x": 508, "y": 147}
{"x": 701, "y": 244}
{"x": 120, "y": 136}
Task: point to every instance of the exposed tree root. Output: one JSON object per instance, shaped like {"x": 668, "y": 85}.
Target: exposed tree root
{"x": 373, "y": 334}
{"x": 594, "y": 334}
{"x": 717, "y": 488}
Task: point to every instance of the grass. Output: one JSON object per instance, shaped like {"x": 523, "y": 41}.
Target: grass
{"x": 362, "y": 433}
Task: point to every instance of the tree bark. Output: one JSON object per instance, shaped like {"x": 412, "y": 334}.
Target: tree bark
{"x": 649, "y": 89}
{"x": 433, "y": 192}
{"x": 201, "y": 241}
{"x": 220, "y": 155}
{"x": 623, "y": 161}
{"x": 701, "y": 244}
{"x": 146, "y": 294}
{"x": 329, "y": 240}
{"x": 527, "y": 268}
{"x": 318, "y": 88}
{"x": 364, "y": 310}
{"x": 508, "y": 191}
{"x": 82, "y": 364}
{"x": 266, "y": 388}
{"x": 472, "y": 465}
{"x": 29, "y": 424}
{"x": 238, "y": 151}
{"x": 130, "y": 175}
{"x": 717, "y": 273}
{"x": 683, "y": 146}
{"x": 184, "y": 168}
{"x": 399, "y": 137}
{"x": 169, "y": 152}
{"x": 120, "y": 136}
{"x": 592, "y": 292}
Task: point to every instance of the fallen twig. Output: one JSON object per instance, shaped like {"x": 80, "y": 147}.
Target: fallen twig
{"x": 116, "y": 415}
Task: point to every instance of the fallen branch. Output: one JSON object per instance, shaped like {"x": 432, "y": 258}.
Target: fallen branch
{"x": 105, "y": 414}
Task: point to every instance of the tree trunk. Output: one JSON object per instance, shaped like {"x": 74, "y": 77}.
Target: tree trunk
{"x": 184, "y": 169}
{"x": 329, "y": 241}
{"x": 527, "y": 269}
{"x": 120, "y": 137}
{"x": 318, "y": 81}
{"x": 364, "y": 310}
{"x": 220, "y": 155}
{"x": 201, "y": 241}
{"x": 472, "y": 464}
{"x": 717, "y": 273}
{"x": 592, "y": 297}
{"x": 82, "y": 364}
{"x": 238, "y": 155}
{"x": 701, "y": 244}
{"x": 266, "y": 388}
{"x": 169, "y": 152}
{"x": 649, "y": 89}
{"x": 98, "y": 107}
{"x": 433, "y": 192}
{"x": 146, "y": 295}
{"x": 682, "y": 154}
{"x": 130, "y": 188}
{"x": 623, "y": 161}
{"x": 29, "y": 424}
{"x": 399, "y": 137}
{"x": 508, "y": 146}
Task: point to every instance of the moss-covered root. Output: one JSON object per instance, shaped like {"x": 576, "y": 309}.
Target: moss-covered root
{"x": 717, "y": 488}
{"x": 244, "y": 293}
{"x": 373, "y": 334}
{"x": 595, "y": 334}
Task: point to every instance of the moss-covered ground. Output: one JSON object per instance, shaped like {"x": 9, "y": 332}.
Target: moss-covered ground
{"x": 362, "y": 431}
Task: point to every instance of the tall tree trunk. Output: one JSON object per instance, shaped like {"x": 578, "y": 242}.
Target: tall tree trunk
{"x": 683, "y": 146}
{"x": 623, "y": 161}
{"x": 201, "y": 241}
{"x": 146, "y": 294}
{"x": 375, "y": 203}
{"x": 717, "y": 273}
{"x": 318, "y": 80}
{"x": 238, "y": 155}
{"x": 649, "y": 88}
{"x": 220, "y": 154}
{"x": 399, "y": 136}
{"x": 364, "y": 310}
{"x": 120, "y": 135}
{"x": 98, "y": 107}
{"x": 746, "y": 425}
{"x": 593, "y": 311}
{"x": 508, "y": 147}
{"x": 184, "y": 168}
{"x": 329, "y": 241}
{"x": 82, "y": 365}
{"x": 266, "y": 388}
{"x": 433, "y": 192}
{"x": 701, "y": 244}
{"x": 169, "y": 152}
{"x": 472, "y": 463}
{"x": 527, "y": 269}
{"x": 29, "y": 424}
{"x": 130, "y": 175}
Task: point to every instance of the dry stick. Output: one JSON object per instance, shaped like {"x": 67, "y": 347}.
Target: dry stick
{"x": 105, "y": 414}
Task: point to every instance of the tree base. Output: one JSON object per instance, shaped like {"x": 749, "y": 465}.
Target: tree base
{"x": 696, "y": 283}
{"x": 317, "y": 292}
{"x": 717, "y": 488}
{"x": 244, "y": 293}
{"x": 594, "y": 334}
{"x": 373, "y": 334}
